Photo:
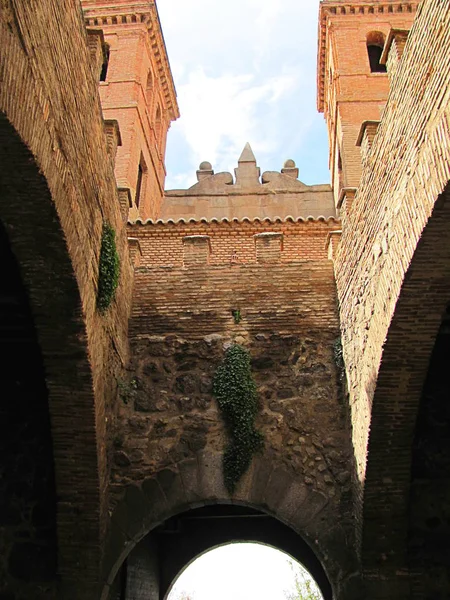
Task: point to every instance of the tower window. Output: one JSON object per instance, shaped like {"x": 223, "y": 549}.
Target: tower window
{"x": 158, "y": 126}
{"x": 149, "y": 90}
{"x": 140, "y": 184}
{"x": 104, "y": 70}
{"x": 375, "y": 44}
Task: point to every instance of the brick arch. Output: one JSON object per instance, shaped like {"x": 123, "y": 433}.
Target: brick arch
{"x": 60, "y": 189}
{"x": 38, "y": 244}
{"x": 267, "y": 487}
{"x": 406, "y": 357}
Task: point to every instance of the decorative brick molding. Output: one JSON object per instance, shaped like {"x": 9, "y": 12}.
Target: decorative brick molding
{"x": 113, "y": 138}
{"x": 125, "y": 201}
{"x": 135, "y": 252}
{"x": 96, "y": 45}
{"x": 366, "y": 136}
{"x": 333, "y": 241}
{"x": 393, "y": 50}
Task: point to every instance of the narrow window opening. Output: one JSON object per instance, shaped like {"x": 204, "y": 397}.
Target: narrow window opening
{"x": 104, "y": 71}
{"x": 140, "y": 184}
{"x": 158, "y": 127}
{"x": 149, "y": 90}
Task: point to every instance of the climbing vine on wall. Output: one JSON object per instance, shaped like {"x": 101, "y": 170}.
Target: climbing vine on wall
{"x": 109, "y": 268}
{"x": 339, "y": 358}
{"x": 236, "y": 395}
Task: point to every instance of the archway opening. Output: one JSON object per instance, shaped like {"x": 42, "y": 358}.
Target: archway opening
{"x": 245, "y": 570}
{"x": 155, "y": 564}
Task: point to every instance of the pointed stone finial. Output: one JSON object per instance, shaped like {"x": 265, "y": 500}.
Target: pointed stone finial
{"x": 247, "y": 173}
{"x": 247, "y": 154}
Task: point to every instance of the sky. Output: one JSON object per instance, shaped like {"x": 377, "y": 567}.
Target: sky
{"x": 244, "y": 71}
{"x": 242, "y": 571}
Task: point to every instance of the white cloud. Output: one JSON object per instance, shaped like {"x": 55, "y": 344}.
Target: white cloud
{"x": 220, "y": 114}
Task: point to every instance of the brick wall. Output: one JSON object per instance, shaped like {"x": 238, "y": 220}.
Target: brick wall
{"x": 232, "y": 242}
{"x": 61, "y": 189}
{"x": 349, "y": 93}
{"x": 139, "y": 93}
{"x": 383, "y": 239}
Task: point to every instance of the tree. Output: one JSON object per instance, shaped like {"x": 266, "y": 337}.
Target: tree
{"x": 305, "y": 587}
{"x": 184, "y": 596}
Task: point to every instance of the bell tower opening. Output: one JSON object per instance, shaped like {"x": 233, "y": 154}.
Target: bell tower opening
{"x": 375, "y": 44}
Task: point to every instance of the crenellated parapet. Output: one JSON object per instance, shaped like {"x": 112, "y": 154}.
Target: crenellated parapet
{"x": 274, "y": 194}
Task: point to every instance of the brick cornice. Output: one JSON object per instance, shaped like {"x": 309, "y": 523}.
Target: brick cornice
{"x": 341, "y": 8}
{"x": 136, "y": 14}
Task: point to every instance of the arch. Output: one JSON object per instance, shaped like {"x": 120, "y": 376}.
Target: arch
{"x": 226, "y": 544}
{"x": 375, "y": 44}
{"x": 429, "y": 498}
{"x": 27, "y": 478}
{"x": 267, "y": 488}
{"x": 38, "y": 243}
{"x": 57, "y": 187}
{"x": 406, "y": 357}
{"x": 218, "y": 525}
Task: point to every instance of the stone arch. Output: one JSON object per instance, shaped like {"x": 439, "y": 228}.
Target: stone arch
{"x": 37, "y": 241}
{"x": 267, "y": 487}
{"x": 258, "y": 527}
{"x": 406, "y": 357}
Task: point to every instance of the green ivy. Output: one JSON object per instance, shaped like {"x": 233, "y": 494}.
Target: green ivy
{"x": 236, "y": 395}
{"x": 236, "y": 316}
{"x": 109, "y": 268}
{"x": 339, "y": 358}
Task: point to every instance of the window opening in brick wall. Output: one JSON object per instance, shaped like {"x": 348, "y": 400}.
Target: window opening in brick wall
{"x": 141, "y": 180}
{"x": 105, "y": 64}
{"x": 149, "y": 91}
{"x": 375, "y": 44}
{"x": 158, "y": 127}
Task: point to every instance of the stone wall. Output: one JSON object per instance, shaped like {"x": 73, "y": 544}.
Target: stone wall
{"x": 182, "y": 321}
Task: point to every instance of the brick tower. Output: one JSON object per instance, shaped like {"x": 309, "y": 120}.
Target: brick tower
{"x": 136, "y": 90}
{"x": 353, "y": 86}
